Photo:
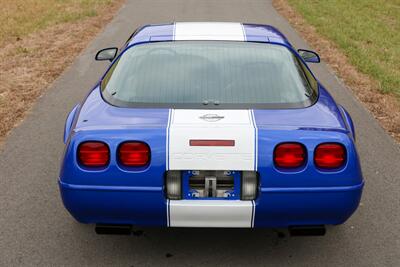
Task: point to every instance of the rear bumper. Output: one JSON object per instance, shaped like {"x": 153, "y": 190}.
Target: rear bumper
{"x": 283, "y": 207}
{"x": 147, "y": 206}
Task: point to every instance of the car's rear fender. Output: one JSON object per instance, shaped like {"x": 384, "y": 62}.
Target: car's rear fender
{"x": 348, "y": 120}
{"x": 69, "y": 122}
{"x": 309, "y": 175}
{"x": 115, "y": 174}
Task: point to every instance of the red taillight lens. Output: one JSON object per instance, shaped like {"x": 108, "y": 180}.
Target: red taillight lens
{"x": 134, "y": 154}
{"x": 289, "y": 155}
{"x": 329, "y": 155}
{"x": 93, "y": 154}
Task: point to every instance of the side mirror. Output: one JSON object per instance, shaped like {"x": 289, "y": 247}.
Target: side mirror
{"x": 309, "y": 56}
{"x": 107, "y": 54}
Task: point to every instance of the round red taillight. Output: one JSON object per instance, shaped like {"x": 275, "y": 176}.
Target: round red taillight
{"x": 93, "y": 154}
{"x": 330, "y": 156}
{"x": 134, "y": 154}
{"x": 289, "y": 155}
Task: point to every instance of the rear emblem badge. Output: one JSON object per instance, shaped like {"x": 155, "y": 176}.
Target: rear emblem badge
{"x": 211, "y": 117}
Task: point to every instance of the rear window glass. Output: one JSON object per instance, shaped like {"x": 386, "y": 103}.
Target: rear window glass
{"x": 211, "y": 74}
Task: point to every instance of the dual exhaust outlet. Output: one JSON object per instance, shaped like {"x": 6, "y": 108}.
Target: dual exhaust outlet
{"x": 123, "y": 229}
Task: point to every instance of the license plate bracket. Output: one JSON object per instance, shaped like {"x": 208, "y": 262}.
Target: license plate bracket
{"x": 211, "y": 185}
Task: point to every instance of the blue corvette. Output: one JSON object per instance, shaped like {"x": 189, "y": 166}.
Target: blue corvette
{"x": 210, "y": 125}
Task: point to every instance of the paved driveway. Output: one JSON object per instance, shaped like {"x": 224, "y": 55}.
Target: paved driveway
{"x": 35, "y": 229}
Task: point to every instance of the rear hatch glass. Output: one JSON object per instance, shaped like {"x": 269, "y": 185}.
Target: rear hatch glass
{"x": 209, "y": 74}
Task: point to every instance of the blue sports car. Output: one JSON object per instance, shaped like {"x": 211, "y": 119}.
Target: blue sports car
{"x": 210, "y": 124}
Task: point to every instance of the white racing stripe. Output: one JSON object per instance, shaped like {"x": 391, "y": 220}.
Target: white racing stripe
{"x": 222, "y": 125}
{"x": 255, "y": 140}
{"x": 209, "y": 31}
{"x": 186, "y": 125}
{"x": 167, "y": 140}
{"x": 211, "y": 213}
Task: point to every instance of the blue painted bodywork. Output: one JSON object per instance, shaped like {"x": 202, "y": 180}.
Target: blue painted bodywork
{"x": 69, "y": 123}
{"x": 119, "y": 195}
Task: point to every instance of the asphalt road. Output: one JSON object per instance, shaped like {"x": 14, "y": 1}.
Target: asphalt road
{"x": 35, "y": 229}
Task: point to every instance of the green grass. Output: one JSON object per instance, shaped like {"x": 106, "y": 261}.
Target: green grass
{"x": 367, "y": 31}
{"x": 21, "y": 17}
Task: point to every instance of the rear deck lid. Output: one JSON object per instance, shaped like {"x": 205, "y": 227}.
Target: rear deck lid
{"x": 211, "y": 140}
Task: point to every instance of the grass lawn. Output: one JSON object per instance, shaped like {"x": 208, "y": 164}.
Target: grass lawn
{"x": 21, "y": 17}
{"x": 38, "y": 40}
{"x": 367, "y": 31}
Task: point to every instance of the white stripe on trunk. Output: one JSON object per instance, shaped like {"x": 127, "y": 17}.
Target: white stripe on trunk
{"x": 229, "y": 31}
{"x": 236, "y": 125}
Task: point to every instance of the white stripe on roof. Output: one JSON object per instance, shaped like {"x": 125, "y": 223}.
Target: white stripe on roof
{"x": 229, "y": 31}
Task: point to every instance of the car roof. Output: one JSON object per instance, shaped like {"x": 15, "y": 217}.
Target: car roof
{"x": 220, "y": 31}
